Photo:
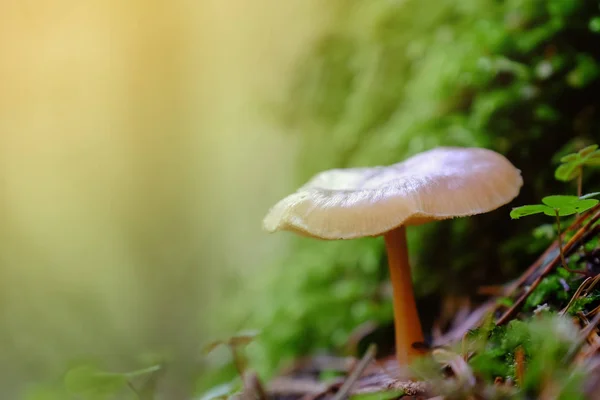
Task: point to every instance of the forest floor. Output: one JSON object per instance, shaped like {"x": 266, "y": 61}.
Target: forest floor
{"x": 533, "y": 338}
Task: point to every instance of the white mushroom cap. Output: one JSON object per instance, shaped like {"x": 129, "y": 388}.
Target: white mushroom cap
{"x": 438, "y": 184}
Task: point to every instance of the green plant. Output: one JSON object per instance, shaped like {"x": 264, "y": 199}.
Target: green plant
{"x": 572, "y": 165}
{"x": 557, "y": 206}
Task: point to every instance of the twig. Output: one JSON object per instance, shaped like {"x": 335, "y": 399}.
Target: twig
{"x": 286, "y": 386}
{"x": 577, "y": 295}
{"x": 593, "y": 312}
{"x": 318, "y": 363}
{"x": 356, "y": 373}
{"x": 582, "y": 338}
{"x": 520, "y": 365}
{"x": 588, "y": 329}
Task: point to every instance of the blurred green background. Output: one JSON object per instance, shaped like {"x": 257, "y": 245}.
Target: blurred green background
{"x": 141, "y": 143}
{"x": 135, "y": 167}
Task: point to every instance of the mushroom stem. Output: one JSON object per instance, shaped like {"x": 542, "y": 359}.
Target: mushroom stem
{"x": 406, "y": 319}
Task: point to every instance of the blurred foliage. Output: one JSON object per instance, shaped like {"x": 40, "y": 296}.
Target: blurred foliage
{"x": 393, "y": 78}
{"x": 546, "y": 343}
{"x": 572, "y": 164}
{"x": 120, "y": 170}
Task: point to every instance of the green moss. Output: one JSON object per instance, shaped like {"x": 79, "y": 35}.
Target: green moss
{"x": 582, "y": 303}
{"x": 550, "y": 288}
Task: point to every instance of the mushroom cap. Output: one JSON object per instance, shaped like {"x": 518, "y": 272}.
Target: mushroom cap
{"x": 438, "y": 184}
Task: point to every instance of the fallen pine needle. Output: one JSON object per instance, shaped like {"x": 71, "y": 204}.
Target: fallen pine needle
{"x": 356, "y": 373}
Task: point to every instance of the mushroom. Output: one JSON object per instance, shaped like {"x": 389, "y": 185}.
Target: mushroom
{"x": 438, "y": 184}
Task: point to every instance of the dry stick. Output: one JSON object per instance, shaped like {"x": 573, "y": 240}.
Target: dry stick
{"x": 356, "y": 373}
{"x": 575, "y": 239}
{"x": 582, "y": 338}
{"x": 578, "y": 292}
{"x": 583, "y": 290}
{"x": 593, "y": 341}
{"x": 286, "y": 386}
{"x": 520, "y": 365}
{"x": 594, "y": 311}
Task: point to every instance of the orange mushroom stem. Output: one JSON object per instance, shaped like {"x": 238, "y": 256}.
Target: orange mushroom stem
{"x": 406, "y": 318}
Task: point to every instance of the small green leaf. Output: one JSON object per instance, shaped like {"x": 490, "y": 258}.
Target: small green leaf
{"x": 558, "y": 201}
{"x": 523, "y": 211}
{"x": 592, "y": 160}
{"x": 586, "y": 204}
{"x": 92, "y": 383}
{"x": 588, "y": 150}
{"x": 563, "y": 211}
{"x": 567, "y": 172}
{"x": 556, "y": 204}
{"x": 570, "y": 157}
{"x": 568, "y": 205}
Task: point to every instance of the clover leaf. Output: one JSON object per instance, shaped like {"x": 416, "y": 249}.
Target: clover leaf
{"x": 557, "y": 205}
{"x": 572, "y": 164}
